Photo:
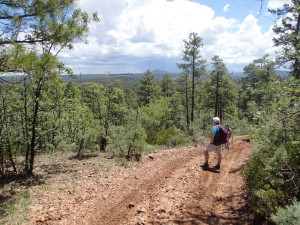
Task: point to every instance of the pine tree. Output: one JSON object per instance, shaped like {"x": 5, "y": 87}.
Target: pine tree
{"x": 194, "y": 64}
{"x": 147, "y": 90}
{"x": 288, "y": 29}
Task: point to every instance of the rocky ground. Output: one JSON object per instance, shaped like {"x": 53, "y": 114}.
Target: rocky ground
{"x": 167, "y": 187}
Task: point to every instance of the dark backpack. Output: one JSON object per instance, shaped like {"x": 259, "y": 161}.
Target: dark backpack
{"x": 223, "y": 137}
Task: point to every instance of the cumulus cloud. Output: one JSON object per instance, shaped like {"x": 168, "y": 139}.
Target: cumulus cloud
{"x": 135, "y": 35}
{"x": 274, "y": 4}
{"x": 226, "y": 8}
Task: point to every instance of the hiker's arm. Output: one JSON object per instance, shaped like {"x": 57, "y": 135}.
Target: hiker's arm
{"x": 212, "y": 138}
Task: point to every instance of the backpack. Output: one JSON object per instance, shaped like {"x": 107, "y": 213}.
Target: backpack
{"x": 223, "y": 138}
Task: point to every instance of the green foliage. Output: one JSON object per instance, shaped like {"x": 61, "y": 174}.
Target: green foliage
{"x": 264, "y": 183}
{"x": 171, "y": 137}
{"x": 54, "y": 23}
{"x": 50, "y": 26}
{"x": 288, "y": 215}
{"x": 157, "y": 115}
{"x": 287, "y": 30}
{"x": 272, "y": 173}
{"x": 264, "y": 201}
{"x": 167, "y": 86}
{"x": 195, "y": 66}
{"x": 147, "y": 90}
{"x": 127, "y": 141}
{"x": 255, "y": 86}
{"x": 240, "y": 126}
{"x": 254, "y": 171}
{"x": 219, "y": 93}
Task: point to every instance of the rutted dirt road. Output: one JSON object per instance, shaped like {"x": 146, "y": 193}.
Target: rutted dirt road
{"x": 168, "y": 187}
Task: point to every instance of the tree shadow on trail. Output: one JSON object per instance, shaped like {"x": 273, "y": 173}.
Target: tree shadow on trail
{"x": 246, "y": 140}
{"x": 24, "y": 180}
{"x": 196, "y": 214}
{"x": 235, "y": 170}
{"x": 83, "y": 157}
{"x": 12, "y": 185}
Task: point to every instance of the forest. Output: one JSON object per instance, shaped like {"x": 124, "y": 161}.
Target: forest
{"x": 40, "y": 113}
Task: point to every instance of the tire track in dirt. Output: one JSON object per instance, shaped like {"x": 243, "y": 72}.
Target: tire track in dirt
{"x": 144, "y": 188}
{"x": 173, "y": 189}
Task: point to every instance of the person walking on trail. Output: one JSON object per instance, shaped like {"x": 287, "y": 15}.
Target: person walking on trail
{"x": 213, "y": 145}
{"x": 230, "y": 133}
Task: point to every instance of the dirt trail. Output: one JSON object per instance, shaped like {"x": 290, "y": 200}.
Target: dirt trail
{"x": 173, "y": 189}
{"x": 168, "y": 187}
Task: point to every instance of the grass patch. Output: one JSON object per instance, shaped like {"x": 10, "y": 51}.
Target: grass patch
{"x": 47, "y": 186}
{"x": 14, "y": 211}
{"x": 74, "y": 175}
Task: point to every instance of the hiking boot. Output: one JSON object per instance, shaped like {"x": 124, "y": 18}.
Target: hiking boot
{"x": 217, "y": 167}
{"x": 205, "y": 166}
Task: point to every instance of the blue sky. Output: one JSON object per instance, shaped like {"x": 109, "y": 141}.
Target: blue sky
{"x": 239, "y": 9}
{"x": 137, "y": 35}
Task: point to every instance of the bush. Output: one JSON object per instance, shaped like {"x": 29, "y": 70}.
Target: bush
{"x": 265, "y": 201}
{"x": 170, "y": 137}
{"x": 273, "y": 171}
{"x": 288, "y": 215}
{"x": 127, "y": 142}
{"x": 151, "y": 137}
{"x": 66, "y": 147}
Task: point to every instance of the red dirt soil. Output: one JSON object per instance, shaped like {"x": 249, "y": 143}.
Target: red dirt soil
{"x": 167, "y": 187}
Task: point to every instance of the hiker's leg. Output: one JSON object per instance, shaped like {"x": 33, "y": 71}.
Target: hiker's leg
{"x": 209, "y": 148}
{"x": 206, "y": 156}
{"x": 219, "y": 158}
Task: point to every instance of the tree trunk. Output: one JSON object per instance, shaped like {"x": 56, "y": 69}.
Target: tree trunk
{"x": 103, "y": 143}
{"x": 187, "y": 103}
{"x": 297, "y": 47}
{"x": 26, "y": 133}
{"x": 1, "y": 154}
{"x": 10, "y": 157}
{"x": 193, "y": 91}
{"x": 217, "y": 96}
{"x": 33, "y": 131}
{"x": 79, "y": 153}
{"x": 1, "y": 161}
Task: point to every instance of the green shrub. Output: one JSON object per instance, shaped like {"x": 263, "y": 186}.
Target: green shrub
{"x": 170, "y": 137}
{"x": 127, "y": 142}
{"x": 66, "y": 147}
{"x": 273, "y": 171}
{"x": 178, "y": 138}
{"x": 151, "y": 137}
{"x": 289, "y": 215}
{"x": 254, "y": 173}
{"x": 265, "y": 201}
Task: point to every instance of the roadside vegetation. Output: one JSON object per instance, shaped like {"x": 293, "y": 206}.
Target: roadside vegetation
{"x": 41, "y": 114}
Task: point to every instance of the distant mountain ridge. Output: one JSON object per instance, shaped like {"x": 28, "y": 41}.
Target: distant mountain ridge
{"x": 130, "y": 77}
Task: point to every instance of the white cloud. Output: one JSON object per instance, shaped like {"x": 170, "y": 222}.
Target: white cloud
{"x": 133, "y": 34}
{"x": 274, "y": 4}
{"x": 226, "y": 8}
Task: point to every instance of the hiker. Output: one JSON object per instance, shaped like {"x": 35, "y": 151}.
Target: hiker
{"x": 213, "y": 145}
{"x": 230, "y": 132}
